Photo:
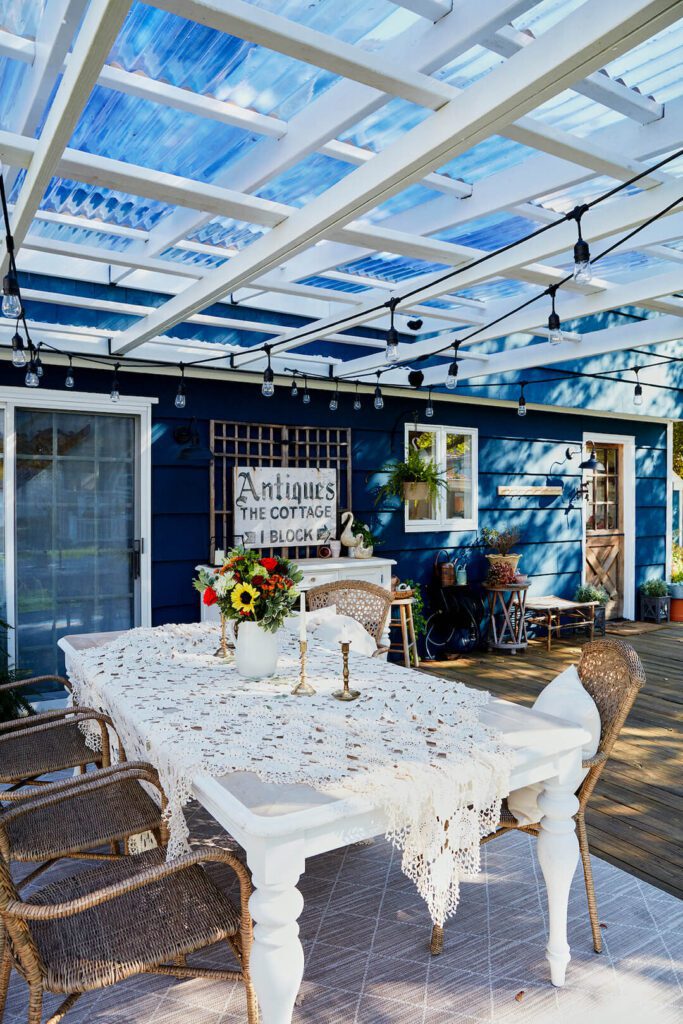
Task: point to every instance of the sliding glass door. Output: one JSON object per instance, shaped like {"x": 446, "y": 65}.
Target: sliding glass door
{"x": 77, "y": 557}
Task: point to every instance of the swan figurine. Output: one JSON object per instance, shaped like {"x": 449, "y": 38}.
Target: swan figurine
{"x": 347, "y": 537}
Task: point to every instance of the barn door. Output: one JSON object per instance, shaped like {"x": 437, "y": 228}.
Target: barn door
{"x": 605, "y": 526}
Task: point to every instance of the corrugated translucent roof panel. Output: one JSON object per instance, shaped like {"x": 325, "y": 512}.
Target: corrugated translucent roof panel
{"x": 93, "y": 201}
{"x": 384, "y": 126}
{"x": 13, "y": 75}
{"x": 488, "y": 157}
{"x": 21, "y": 17}
{"x": 379, "y": 20}
{"x": 469, "y": 67}
{"x": 387, "y": 267}
{"x": 416, "y": 195}
{"x": 498, "y": 288}
{"x": 619, "y": 265}
{"x": 306, "y": 180}
{"x": 540, "y": 17}
{"x": 155, "y": 136}
{"x": 318, "y": 281}
{"x": 80, "y": 236}
{"x": 655, "y": 65}
{"x": 490, "y": 232}
{"x": 567, "y": 198}
{"x": 195, "y": 259}
{"x": 227, "y": 231}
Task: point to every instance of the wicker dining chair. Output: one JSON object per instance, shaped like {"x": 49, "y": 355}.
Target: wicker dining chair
{"x": 48, "y": 742}
{"x": 132, "y": 916}
{"x": 612, "y": 674}
{"x": 367, "y": 603}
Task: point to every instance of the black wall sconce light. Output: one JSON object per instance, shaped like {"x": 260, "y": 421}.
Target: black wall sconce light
{"x": 591, "y": 463}
{"x": 191, "y": 447}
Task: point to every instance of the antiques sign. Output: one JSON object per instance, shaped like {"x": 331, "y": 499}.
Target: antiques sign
{"x": 276, "y": 507}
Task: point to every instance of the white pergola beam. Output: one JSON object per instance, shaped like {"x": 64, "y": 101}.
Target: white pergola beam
{"x": 525, "y": 80}
{"x": 260, "y": 26}
{"x": 609, "y": 339}
{"x": 98, "y": 31}
{"x": 599, "y": 86}
{"x": 433, "y": 10}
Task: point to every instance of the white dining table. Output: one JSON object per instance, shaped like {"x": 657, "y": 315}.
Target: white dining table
{"x": 281, "y": 826}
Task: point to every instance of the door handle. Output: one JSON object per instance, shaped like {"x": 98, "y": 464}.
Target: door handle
{"x": 136, "y": 554}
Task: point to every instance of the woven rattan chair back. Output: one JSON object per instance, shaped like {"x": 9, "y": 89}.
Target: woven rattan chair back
{"x": 365, "y": 602}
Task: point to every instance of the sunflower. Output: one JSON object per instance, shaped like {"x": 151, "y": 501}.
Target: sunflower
{"x": 244, "y": 597}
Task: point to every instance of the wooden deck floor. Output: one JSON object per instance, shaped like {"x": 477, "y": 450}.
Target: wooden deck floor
{"x": 635, "y": 817}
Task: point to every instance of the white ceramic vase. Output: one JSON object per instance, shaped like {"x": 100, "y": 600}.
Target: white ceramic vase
{"x": 256, "y": 651}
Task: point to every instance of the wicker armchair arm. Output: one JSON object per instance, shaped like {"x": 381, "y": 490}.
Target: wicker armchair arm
{"x": 380, "y": 651}
{"x": 56, "y": 911}
{"x": 34, "y": 680}
{"x": 593, "y": 762}
{"x": 34, "y": 721}
{"x": 54, "y": 719}
{"x": 57, "y": 792}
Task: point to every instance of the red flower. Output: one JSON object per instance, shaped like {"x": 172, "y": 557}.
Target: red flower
{"x": 210, "y": 596}
{"x": 270, "y": 564}
{"x": 258, "y": 581}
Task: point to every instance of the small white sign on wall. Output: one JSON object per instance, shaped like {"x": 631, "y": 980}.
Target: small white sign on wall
{"x": 280, "y": 507}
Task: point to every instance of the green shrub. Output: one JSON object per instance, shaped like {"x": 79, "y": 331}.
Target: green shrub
{"x": 654, "y": 588}
{"x": 419, "y": 620}
{"x": 588, "y": 592}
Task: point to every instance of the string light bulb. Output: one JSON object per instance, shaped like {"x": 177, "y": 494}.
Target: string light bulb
{"x": 294, "y": 390}
{"x": 115, "y": 394}
{"x": 307, "y": 395}
{"x": 11, "y": 300}
{"x": 268, "y": 385}
{"x": 181, "y": 396}
{"x": 357, "y": 404}
{"x": 38, "y": 363}
{"x": 452, "y": 376}
{"x": 582, "y": 256}
{"x": 429, "y": 408}
{"x": 69, "y": 381}
{"x": 391, "y": 352}
{"x": 334, "y": 401}
{"x": 31, "y": 380}
{"x": 638, "y": 391}
{"x": 18, "y": 354}
{"x": 521, "y": 404}
{"x": 555, "y": 337}
{"x": 379, "y": 399}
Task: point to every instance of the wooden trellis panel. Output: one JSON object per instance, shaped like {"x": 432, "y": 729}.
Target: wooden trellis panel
{"x": 271, "y": 444}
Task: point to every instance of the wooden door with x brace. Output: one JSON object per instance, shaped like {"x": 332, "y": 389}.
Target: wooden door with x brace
{"x": 605, "y": 526}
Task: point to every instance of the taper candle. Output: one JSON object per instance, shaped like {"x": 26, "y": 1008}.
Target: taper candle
{"x": 302, "y": 618}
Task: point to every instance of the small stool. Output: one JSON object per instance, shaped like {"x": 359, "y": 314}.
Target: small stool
{"x": 404, "y": 621}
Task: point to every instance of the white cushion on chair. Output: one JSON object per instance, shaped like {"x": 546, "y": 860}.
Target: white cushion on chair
{"x": 563, "y": 698}
{"x": 333, "y": 630}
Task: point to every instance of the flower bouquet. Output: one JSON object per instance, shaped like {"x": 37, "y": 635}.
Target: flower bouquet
{"x": 257, "y": 594}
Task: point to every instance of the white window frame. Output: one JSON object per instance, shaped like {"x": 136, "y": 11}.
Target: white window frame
{"x": 440, "y": 522}
{"x": 12, "y": 399}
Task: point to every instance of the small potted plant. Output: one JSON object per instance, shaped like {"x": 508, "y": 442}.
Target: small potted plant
{"x": 654, "y": 601}
{"x": 502, "y": 542}
{"x": 589, "y": 592}
{"x": 366, "y": 541}
{"x": 415, "y": 479}
{"x": 500, "y": 574}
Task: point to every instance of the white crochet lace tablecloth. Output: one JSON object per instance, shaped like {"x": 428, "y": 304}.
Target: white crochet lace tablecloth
{"x": 412, "y": 744}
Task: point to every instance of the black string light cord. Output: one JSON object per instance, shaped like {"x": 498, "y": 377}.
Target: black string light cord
{"x": 575, "y": 214}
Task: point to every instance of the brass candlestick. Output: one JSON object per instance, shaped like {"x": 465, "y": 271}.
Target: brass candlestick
{"x": 303, "y": 688}
{"x": 345, "y": 693}
{"x": 224, "y": 648}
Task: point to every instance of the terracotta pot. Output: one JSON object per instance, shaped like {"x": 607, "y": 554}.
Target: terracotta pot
{"x": 512, "y": 560}
{"x": 676, "y": 612}
{"x": 416, "y": 490}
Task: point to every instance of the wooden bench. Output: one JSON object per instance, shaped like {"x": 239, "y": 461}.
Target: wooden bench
{"x": 556, "y": 614}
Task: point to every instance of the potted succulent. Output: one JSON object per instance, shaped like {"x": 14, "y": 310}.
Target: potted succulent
{"x": 415, "y": 479}
{"x": 500, "y": 574}
{"x": 654, "y": 601}
{"x": 502, "y": 542}
{"x": 589, "y": 592}
{"x": 365, "y": 544}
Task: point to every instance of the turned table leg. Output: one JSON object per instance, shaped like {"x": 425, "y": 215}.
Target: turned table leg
{"x": 277, "y": 957}
{"x": 558, "y": 854}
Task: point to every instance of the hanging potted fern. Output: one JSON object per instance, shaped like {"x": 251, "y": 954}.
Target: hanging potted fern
{"x": 415, "y": 479}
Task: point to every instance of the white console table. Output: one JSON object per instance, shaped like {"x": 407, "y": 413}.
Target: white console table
{"x": 326, "y": 570}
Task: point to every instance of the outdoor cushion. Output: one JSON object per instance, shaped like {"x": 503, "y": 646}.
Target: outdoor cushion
{"x": 564, "y": 698}
{"x": 342, "y": 627}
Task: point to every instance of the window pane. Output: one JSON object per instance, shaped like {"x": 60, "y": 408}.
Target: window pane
{"x": 459, "y": 476}
{"x": 424, "y": 442}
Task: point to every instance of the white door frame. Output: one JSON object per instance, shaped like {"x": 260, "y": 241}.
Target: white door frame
{"x": 628, "y": 484}
{"x": 79, "y": 402}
